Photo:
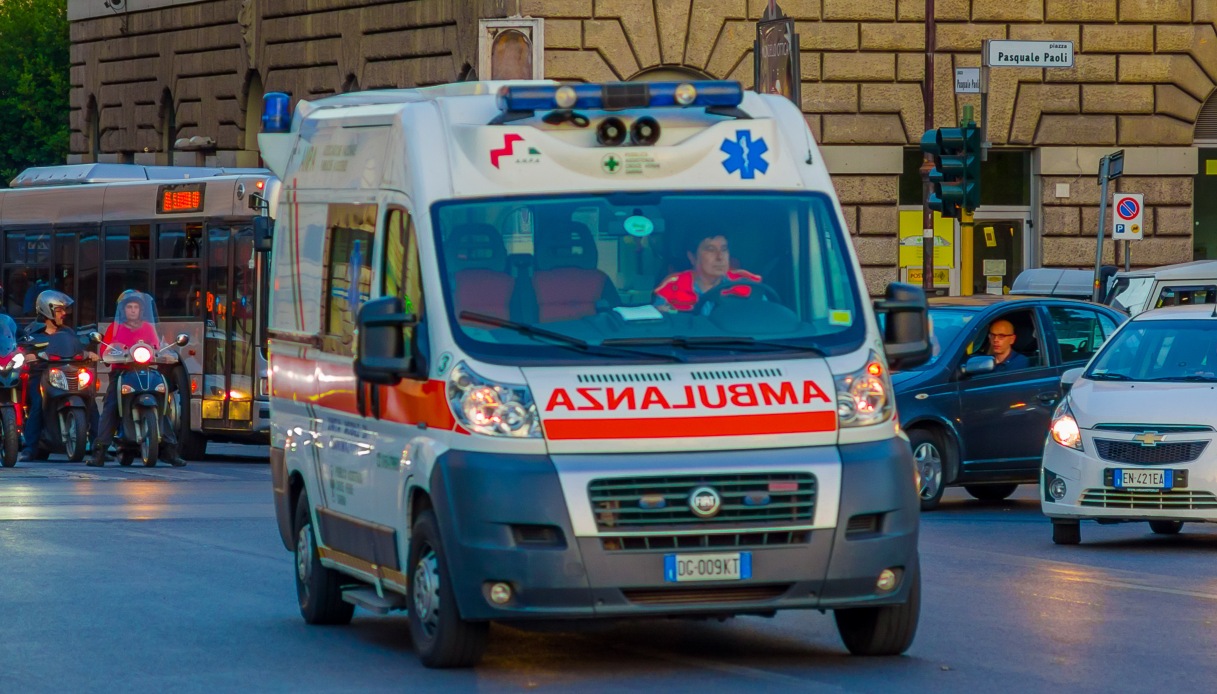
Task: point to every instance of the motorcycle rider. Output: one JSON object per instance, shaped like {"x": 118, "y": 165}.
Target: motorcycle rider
{"x": 132, "y": 324}
{"x": 52, "y": 307}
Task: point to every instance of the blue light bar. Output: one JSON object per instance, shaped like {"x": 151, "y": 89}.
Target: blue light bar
{"x": 276, "y": 113}
{"x": 619, "y": 96}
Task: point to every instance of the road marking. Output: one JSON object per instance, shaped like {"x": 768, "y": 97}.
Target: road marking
{"x": 1137, "y": 586}
{"x": 719, "y": 666}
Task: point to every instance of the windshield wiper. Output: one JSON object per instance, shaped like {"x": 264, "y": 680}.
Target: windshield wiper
{"x": 1109, "y": 377}
{"x": 716, "y": 342}
{"x": 563, "y": 339}
{"x": 1193, "y": 378}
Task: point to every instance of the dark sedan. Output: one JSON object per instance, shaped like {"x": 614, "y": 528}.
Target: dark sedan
{"x": 977, "y": 413}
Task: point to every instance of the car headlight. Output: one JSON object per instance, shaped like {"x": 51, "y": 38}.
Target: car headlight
{"x": 57, "y": 379}
{"x": 864, "y": 397}
{"x": 1065, "y": 430}
{"x": 489, "y": 408}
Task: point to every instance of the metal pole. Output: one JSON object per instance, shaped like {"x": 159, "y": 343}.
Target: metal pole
{"x": 1098, "y": 250}
{"x": 1127, "y": 256}
{"x": 984, "y": 100}
{"x": 927, "y": 164}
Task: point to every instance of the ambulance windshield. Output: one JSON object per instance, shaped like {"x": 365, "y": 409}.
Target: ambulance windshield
{"x": 690, "y": 275}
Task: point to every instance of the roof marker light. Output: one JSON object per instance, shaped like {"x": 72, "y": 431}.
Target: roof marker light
{"x": 276, "y": 113}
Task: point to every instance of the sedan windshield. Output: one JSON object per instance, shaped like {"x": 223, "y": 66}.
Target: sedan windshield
{"x": 1159, "y": 350}
{"x": 626, "y": 276}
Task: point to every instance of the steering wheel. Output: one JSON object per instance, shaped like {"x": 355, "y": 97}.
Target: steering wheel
{"x": 712, "y": 295}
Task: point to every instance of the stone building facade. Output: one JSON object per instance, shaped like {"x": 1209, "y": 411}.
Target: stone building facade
{"x": 155, "y": 71}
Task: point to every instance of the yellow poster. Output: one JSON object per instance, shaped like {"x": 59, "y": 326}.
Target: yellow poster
{"x": 910, "y": 240}
{"x": 1210, "y": 167}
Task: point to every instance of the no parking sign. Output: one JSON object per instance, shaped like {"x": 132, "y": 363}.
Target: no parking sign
{"x": 1127, "y": 212}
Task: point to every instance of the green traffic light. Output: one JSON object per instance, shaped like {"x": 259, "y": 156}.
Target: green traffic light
{"x": 956, "y": 174}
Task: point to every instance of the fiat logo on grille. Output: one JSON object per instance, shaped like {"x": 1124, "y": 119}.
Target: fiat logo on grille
{"x": 705, "y": 502}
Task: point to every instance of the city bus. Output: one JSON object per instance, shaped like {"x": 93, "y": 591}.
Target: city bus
{"x": 185, "y": 235}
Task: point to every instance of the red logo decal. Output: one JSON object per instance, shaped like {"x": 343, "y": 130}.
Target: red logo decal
{"x": 506, "y": 150}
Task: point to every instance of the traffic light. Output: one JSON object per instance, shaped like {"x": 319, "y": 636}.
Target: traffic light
{"x": 956, "y": 173}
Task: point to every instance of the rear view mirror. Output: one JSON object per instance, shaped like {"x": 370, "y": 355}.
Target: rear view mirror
{"x": 382, "y": 353}
{"x": 906, "y": 326}
{"x": 263, "y": 234}
{"x": 979, "y": 364}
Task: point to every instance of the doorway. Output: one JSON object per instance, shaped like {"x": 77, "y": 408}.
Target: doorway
{"x": 994, "y": 255}
{"x": 1205, "y": 210}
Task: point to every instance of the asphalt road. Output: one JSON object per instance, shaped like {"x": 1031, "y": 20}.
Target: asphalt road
{"x": 154, "y": 580}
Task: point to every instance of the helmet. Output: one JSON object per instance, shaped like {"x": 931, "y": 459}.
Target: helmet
{"x": 50, "y": 300}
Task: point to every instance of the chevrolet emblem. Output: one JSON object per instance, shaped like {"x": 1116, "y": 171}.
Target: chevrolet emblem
{"x": 1149, "y": 438}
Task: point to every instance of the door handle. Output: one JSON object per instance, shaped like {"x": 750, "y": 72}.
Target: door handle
{"x": 1048, "y": 398}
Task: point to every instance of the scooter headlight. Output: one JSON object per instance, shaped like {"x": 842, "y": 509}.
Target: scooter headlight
{"x": 17, "y": 362}
{"x": 489, "y": 408}
{"x": 84, "y": 378}
{"x": 57, "y": 379}
{"x": 141, "y": 355}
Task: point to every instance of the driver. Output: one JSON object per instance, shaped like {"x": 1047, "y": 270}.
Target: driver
{"x": 1001, "y": 346}
{"x": 711, "y": 261}
{"x": 132, "y": 325}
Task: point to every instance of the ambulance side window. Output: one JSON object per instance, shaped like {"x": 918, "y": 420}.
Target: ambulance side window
{"x": 401, "y": 271}
{"x": 348, "y": 273}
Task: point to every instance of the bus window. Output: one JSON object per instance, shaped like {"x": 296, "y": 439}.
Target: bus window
{"x": 86, "y": 279}
{"x": 177, "y": 288}
{"x": 120, "y": 279}
{"x": 177, "y": 241}
{"x": 128, "y": 242}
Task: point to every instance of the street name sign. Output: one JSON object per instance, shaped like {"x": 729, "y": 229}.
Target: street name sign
{"x": 967, "y": 80}
{"x": 1127, "y": 212}
{"x": 1004, "y": 53}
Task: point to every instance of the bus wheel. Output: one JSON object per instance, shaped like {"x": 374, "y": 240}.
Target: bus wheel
{"x": 318, "y": 589}
{"x": 191, "y": 444}
{"x": 886, "y": 630}
{"x": 441, "y": 638}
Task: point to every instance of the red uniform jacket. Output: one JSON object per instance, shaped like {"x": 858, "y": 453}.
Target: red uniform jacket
{"x": 679, "y": 292}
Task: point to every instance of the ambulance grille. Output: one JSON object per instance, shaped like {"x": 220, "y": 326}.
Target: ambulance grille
{"x": 694, "y": 596}
{"x": 735, "y": 375}
{"x": 1167, "y": 500}
{"x": 624, "y": 378}
{"x": 668, "y": 541}
{"x": 754, "y": 499}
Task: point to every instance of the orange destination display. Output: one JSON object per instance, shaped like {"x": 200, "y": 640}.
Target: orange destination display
{"x": 180, "y": 198}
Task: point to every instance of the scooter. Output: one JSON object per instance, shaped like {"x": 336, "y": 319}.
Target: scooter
{"x": 68, "y": 384}
{"x": 142, "y": 397}
{"x": 11, "y": 361}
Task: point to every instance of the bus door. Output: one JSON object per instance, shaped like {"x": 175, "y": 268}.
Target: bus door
{"x": 230, "y": 329}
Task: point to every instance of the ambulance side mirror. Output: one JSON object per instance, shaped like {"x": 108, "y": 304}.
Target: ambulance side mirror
{"x": 382, "y": 355}
{"x": 263, "y": 235}
{"x": 906, "y": 326}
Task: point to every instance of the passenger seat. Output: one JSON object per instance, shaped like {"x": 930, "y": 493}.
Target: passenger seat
{"x": 477, "y": 262}
{"x": 568, "y": 282}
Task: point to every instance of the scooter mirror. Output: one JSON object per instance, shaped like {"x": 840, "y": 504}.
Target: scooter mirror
{"x": 182, "y": 339}
{"x": 95, "y": 337}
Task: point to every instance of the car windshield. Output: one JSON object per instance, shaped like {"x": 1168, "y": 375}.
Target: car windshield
{"x": 1129, "y": 294}
{"x": 945, "y": 324}
{"x": 1159, "y": 350}
{"x": 669, "y": 275}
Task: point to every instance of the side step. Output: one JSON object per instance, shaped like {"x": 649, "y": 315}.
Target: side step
{"x": 370, "y": 601}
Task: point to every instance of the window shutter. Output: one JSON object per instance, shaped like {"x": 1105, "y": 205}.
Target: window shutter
{"x": 1206, "y": 122}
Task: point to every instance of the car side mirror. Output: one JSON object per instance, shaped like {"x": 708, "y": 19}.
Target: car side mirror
{"x": 980, "y": 364}
{"x": 1071, "y": 376}
{"x": 382, "y": 355}
{"x": 263, "y": 234}
{"x": 182, "y": 340}
{"x": 906, "y": 326}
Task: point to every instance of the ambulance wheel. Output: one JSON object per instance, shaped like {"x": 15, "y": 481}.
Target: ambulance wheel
{"x": 929, "y": 454}
{"x": 1166, "y": 527}
{"x": 886, "y": 630}
{"x": 190, "y": 444}
{"x": 991, "y": 492}
{"x": 318, "y": 589}
{"x": 441, "y": 638}
{"x": 1066, "y": 532}
{"x": 12, "y": 437}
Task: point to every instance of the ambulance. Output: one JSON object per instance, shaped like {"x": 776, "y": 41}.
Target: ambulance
{"x": 547, "y": 353}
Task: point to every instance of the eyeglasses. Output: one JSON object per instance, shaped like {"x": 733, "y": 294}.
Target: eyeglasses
{"x": 996, "y": 336}
{"x": 60, "y": 309}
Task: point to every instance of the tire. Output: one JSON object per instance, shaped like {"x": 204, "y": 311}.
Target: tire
{"x": 191, "y": 445}
{"x": 991, "y": 492}
{"x": 149, "y": 436}
{"x": 12, "y": 437}
{"x": 886, "y": 630}
{"x": 1166, "y": 527}
{"x": 441, "y": 638}
{"x": 1066, "y": 532}
{"x": 318, "y": 589}
{"x": 929, "y": 452}
{"x": 125, "y": 458}
{"x": 74, "y": 432}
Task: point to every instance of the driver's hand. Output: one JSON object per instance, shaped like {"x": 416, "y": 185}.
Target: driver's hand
{"x": 92, "y": 356}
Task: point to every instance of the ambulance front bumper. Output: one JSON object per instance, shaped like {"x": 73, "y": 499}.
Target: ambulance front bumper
{"x": 507, "y": 520}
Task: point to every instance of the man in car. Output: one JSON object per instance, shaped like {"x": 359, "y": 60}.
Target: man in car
{"x": 711, "y": 260}
{"x": 1001, "y": 347}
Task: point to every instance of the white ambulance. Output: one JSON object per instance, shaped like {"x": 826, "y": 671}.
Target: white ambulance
{"x": 551, "y": 353}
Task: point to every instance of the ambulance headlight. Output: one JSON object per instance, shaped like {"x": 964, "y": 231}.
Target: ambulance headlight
{"x": 864, "y": 397}
{"x": 493, "y": 409}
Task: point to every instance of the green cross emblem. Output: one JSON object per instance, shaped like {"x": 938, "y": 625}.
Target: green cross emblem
{"x": 611, "y": 163}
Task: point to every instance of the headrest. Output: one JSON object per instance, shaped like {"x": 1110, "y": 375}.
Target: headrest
{"x": 567, "y": 244}
{"x": 477, "y": 246}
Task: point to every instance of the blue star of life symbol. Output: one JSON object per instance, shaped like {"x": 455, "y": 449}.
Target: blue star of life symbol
{"x": 745, "y": 155}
